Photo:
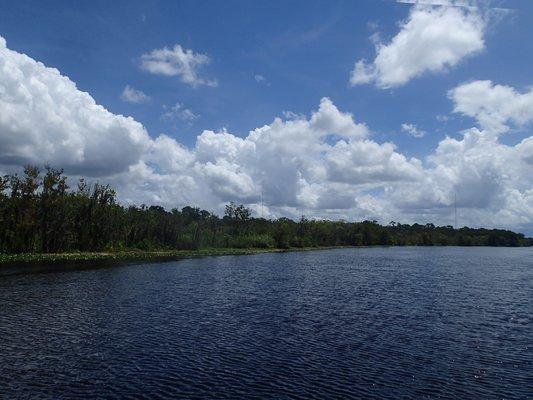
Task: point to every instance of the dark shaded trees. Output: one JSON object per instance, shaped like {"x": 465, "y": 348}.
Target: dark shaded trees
{"x": 40, "y": 213}
{"x": 54, "y": 212}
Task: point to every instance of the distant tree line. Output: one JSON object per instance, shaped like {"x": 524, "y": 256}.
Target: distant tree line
{"x": 39, "y": 213}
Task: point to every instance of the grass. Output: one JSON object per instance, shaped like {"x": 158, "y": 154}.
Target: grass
{"x": 132, "y": 255}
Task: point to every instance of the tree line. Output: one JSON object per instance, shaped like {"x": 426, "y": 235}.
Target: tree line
{"x": 39, "y": 213}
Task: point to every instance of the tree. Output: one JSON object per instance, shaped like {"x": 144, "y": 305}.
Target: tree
{"x": 54, "y": 212}
{"x": 40, "y": 213}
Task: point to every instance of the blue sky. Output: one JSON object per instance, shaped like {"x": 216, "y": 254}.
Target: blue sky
{"x": 305, "y": 50}
{"x": 271, "y": 57}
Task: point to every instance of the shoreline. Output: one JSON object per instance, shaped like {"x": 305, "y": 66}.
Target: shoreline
{"x": 163, "y": 255}
{"x": 141, "y": 255}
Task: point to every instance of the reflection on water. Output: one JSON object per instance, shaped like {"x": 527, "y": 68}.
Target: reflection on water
{"x": 349, "y": 323}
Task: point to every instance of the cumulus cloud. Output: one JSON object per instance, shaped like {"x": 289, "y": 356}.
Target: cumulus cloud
{"x": 132, "y": 95}
{"x": 329, "y": 120}
{"x": 176, "y": 61}
{"x": 44, "y": 117}
{"x": 492, "y": 181}
{"x": 369, "y": 162}
{"x": 325, "y": 164}
{"x": 495, "y": 107}
{"x": 295, "y": 163}
{"x": 412, "y": 130}
{"x": 431, "y": 39}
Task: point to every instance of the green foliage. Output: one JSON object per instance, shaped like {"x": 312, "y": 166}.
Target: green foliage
{"x": 261, "y": 241}
{"x": 40, "y": 214}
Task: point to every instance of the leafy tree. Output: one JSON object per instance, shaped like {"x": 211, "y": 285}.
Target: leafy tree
{"x": 40, "y": 213}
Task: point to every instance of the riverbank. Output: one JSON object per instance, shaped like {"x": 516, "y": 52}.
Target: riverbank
{"x": 153, "y": 256}
{"x": 139, "y": 255}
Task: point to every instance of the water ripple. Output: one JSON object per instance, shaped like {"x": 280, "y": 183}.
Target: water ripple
{"x": 430, "y": 323}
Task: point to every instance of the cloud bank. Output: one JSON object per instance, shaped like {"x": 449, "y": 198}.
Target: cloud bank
{"x": 324, "y": 165}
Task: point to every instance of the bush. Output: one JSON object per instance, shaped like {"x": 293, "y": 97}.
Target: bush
{"x": 253, "y": 241}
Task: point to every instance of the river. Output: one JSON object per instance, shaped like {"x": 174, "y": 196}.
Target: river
{"x": 382, "y": 323}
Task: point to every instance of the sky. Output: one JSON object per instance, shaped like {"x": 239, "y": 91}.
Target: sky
{"x": 373, "y": 109}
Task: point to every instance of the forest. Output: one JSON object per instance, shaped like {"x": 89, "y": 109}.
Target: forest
{"x": 39, "y": 213}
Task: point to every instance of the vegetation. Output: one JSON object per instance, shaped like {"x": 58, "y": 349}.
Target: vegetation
{"x": 132, "y": 255}
{"x": 40, "y": 214}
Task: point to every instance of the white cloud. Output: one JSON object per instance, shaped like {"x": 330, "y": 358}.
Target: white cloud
{"x": 293, "y": 162}
{"x": 322, "y": 165}
{"x": 431, "y": 39}
{"x": 132, "y": 95}
{"x": 169, "y": 155}
{"x": 366, "y": 161}
{"x": 412, "y": 130}
{"x": 329, "y": 120}
{"x": 491, "y": 180}
{"x": 495, "y": 107}
{"x": 178, "y": 111}
{"x": 178, "y": 62}
{"x": 45, "y": 118}
{"x": 292, "y": 115}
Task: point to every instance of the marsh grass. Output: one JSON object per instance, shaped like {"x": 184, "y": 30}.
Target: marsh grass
{"x": 132, "y": 255}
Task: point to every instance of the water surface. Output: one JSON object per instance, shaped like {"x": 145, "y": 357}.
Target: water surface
{"x": 384, "y": 323}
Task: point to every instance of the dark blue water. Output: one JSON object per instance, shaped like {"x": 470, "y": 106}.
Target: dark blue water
{"x": 385, "y": 323}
